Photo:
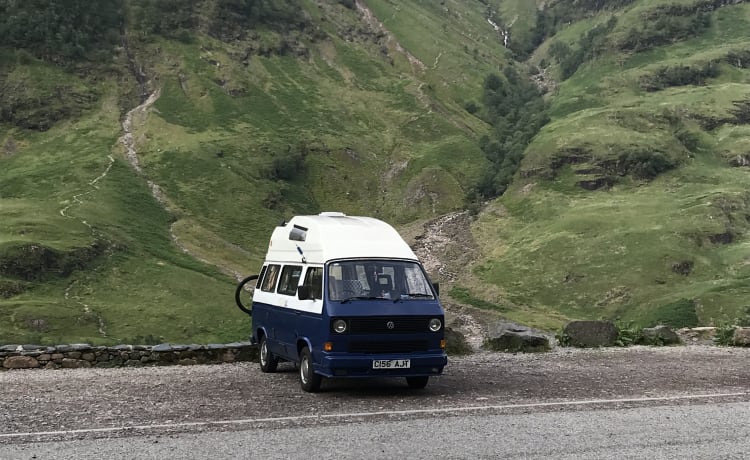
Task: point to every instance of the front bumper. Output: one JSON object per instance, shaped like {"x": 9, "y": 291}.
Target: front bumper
{"x": 360, "y": 365}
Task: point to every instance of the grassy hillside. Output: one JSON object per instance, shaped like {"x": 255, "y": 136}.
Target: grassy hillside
{"x": 632, "y": 202}
{"x": 255, "y": 121}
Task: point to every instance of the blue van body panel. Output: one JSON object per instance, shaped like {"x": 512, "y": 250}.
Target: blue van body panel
{"x": 285, "y": 329}
{"x": 423, "y": 349}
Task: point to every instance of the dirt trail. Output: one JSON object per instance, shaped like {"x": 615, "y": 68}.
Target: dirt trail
{"x": 373, "y": 21}
{"x": 137, "y": 117}
{"x": 446, "y": 247}
{"x": 76, "y": 200}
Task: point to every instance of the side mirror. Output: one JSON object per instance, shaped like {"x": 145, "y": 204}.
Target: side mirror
{"x": 436, "y": 287}
{"x": 304, "y": 293}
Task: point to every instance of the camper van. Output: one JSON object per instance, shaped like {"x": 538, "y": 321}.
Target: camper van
{"x": 345, "y": 297}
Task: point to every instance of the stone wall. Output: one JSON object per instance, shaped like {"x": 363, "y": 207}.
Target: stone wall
{"x": 85, "y": 355}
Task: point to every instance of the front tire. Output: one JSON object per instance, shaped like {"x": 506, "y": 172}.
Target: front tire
{"x": 417, "y": 383}
{"x": 268, "y": 361}
{"x": 308, "y": 379}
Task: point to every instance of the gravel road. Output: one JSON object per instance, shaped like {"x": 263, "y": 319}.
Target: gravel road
{"x": 50, "y": 411}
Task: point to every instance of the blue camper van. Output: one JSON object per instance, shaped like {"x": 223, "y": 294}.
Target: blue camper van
{"x": 345, "y": 296}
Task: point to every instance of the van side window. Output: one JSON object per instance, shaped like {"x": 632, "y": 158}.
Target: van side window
{"x": 314, "y": 279}
{"x": 269, "y": 282}
{"x": 259, "y": 281}
{"x": 289, "y": 279}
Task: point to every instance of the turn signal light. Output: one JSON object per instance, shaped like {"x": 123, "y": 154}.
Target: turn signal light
{"x": 442, "y": 344}
{"x": 328, "y": 346}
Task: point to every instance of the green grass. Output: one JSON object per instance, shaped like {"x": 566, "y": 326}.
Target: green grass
{"x": 378, "y": 136}
{"x": 610, "y": 253}
{"x": 381, "y": 136}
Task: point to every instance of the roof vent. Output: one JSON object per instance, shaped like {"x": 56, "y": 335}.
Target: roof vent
{"x": 332, "y": 214}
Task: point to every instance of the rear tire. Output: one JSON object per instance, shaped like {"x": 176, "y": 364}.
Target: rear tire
{"x": 308, "y": 379}
{"x": 417, "y": 383}
{"x": 268, "y": 361}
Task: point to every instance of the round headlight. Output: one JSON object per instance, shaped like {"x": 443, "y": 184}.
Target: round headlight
{"x": 435, "y": 324}
{"x": 339, "y": 326}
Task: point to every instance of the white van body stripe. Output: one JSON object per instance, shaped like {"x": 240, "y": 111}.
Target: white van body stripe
{"x": 286, "y": 301}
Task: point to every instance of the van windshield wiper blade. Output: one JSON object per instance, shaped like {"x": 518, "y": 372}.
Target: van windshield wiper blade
{"x": 360, "y": 297}
{"x": 412, "y": 295}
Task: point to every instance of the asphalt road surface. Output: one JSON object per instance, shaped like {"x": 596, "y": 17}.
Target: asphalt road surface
{"x": 681, "y": 402}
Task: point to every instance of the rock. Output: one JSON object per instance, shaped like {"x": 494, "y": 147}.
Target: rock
{"x": 589, "y": 334}
{"x": 742, "y": 336}
{"x": 20, "y": 362}
{"x": 247, "y": 354}
{"x": 503, "y": 336}
{"x": 33, "y": 347}
{"x": 88, "y": 357}
{"x": 659, "y": 335}
{"x": 162, "y": 347}
{"x": 456, "y": 343}
{"x": 74, "y": 354}
{"x": 70, "y": 363}
{"x": 187, "y": 362}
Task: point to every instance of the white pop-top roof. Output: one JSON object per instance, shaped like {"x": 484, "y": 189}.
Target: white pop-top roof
{"x": 334, "y": 235}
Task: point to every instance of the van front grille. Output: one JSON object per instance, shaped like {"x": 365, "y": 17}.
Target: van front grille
{"x": 399, "y": 346}
{"x": 389, "y": 325}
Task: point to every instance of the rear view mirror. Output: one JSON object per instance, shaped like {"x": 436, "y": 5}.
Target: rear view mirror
{"x": 436, "y": 287}
{"x": 304, "y": 293}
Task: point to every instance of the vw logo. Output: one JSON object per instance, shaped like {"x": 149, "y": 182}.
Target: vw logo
{"x": 390, "y": 324}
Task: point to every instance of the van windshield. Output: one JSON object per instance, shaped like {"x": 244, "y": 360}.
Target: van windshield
{"x": 377, "y": 279}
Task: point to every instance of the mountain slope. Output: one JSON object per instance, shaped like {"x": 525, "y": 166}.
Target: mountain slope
{"x": 632, "y": 202}
{"x": 624, "y": 175}
{"x": 255, "y": 116}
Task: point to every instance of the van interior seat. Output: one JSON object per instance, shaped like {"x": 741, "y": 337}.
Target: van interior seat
{"x": 351, "y": 288}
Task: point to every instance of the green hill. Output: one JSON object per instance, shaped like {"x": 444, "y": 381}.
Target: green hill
{"x": 622, "y": 169}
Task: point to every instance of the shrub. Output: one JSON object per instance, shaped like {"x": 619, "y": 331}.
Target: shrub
{"x": 627, "y": 334}
{"x": 724, "y": 335}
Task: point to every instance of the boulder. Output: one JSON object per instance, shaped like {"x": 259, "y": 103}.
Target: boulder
{"x": 742, "y": 336}
{"x": 71, "y": 363}
{"x": 511, "y": 337}
{"x": 589, "y": 334}
{"x": 455, "y": 342}
{"x": 659, "y": 335}
{"x": 20, "y": 362}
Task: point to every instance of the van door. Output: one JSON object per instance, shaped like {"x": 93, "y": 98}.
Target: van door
{"x": 287, "y": 313}
{"x": 308, "y": 312}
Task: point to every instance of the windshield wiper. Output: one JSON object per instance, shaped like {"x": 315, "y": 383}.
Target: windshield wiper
{"x": 360, "y": 297}
{"x": 411, "y": 295}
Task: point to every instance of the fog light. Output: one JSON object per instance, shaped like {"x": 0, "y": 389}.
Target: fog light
{"x": 435, "y": 324}
{"x": 328, "y": 346}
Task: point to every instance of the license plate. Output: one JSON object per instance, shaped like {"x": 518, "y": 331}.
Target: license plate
{"x": 391, "y": 364}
